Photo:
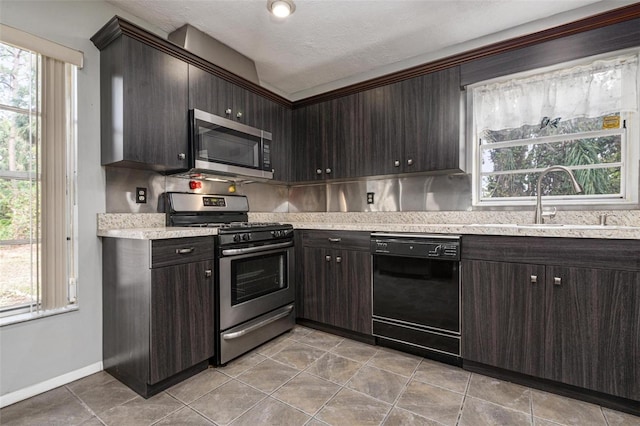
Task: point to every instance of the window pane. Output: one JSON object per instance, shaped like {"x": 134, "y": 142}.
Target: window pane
{"x": 552, "y": 127}
{"x": 19, "y": 250}
{"x": 597, "y": 181}
{"x": 18, "y": 72}
{"x": 579, "y": 152}
{"x": 18, "y": 275}
{"x": 18, "y": 142}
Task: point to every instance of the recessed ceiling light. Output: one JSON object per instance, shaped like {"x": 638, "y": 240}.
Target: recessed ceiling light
{"x": 281, "y": 8}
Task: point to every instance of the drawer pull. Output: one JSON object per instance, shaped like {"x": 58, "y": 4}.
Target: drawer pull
{"x": 208, "y": 273}
{"x": 185, "y": 250}
{"x": 534, "y": 279}
{"x": 557, "y": 281}
{"x": 327, "y": 258}
{"x": 335, "y": 240}
{"x": 338, "y": 259}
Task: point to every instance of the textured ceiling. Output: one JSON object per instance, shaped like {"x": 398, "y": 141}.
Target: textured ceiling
{"x": 326, "y": 44}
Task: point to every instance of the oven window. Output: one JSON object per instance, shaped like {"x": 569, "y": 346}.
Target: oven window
{"x": 257, "y": 276}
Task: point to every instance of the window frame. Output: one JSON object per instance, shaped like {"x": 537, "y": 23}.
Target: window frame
{"x": 34, "y": 309}
{"x": 630, "y": 150}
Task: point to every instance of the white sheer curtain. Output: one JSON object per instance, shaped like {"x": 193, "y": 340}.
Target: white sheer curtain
{"x": 592, "y": 90}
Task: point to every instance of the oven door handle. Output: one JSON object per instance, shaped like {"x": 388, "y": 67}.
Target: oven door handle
{"x": 281, "y": 314}
{"x": 234, "y": 252}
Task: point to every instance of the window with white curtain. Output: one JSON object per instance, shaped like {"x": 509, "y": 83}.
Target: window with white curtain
{"x": 37, "y": 176}
{"x": 580, "y": 115}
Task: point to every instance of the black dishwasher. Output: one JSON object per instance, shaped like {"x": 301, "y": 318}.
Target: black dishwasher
{"x": 416, "y": 293}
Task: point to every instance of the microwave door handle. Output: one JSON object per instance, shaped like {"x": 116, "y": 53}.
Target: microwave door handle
{"x": 234, "y": 252}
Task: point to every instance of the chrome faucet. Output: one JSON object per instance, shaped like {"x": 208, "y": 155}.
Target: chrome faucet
{"x": 538, "y": 219}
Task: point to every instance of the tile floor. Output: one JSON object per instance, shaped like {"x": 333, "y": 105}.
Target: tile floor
{"x": 307, "y": 377}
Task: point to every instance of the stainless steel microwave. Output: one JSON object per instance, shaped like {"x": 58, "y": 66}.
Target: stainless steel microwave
{"x": 222, "y": 146}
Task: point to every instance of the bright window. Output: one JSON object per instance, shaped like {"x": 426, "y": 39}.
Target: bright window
{"x": 37, "y": 152}
{"x": 581, "y": 116}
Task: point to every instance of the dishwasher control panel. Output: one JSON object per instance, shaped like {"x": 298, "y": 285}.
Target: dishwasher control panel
{"x": 427, "y": 246}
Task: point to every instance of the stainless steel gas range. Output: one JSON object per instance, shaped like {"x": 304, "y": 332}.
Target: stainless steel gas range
{"x": 254, "y": 270}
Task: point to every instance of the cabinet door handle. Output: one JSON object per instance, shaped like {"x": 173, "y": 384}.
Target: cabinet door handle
{"x": 409, "y": 162}
{"x": 396, "y": 163}
{"x": 239, "y": 115}
{"x": 327, "y": 258}
{"x": 182, "y": 156}
{"x": 328, "y": 171}
{"x": 534, "y": 279}
{"x": 557, "y": 281}
{"x": 185, "y": 250}
{"x": 338, "y": 259}
{"x": 208, "y": 273}
{"x": 228, "y": 111}
{"x": 318, "y": 171}
{"x": 335, "y": 240}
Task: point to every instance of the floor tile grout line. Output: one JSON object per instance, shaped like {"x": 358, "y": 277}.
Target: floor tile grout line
{"x": 464, "y": 399}
{"x": 84, "y": 404}
{"x": 238, "y": 416}
{"x": 606, "y": 420}
{"x": 174, "y": 411}
{"x": 533, "y": 418}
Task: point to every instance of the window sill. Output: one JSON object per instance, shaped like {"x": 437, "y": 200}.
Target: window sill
{"x": 30, "y": 316}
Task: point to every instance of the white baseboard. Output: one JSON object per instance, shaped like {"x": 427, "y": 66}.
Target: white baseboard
{"x": 47, "y": 385}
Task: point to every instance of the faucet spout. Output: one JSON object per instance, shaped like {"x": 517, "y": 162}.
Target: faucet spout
{"x": 576, "y": 187}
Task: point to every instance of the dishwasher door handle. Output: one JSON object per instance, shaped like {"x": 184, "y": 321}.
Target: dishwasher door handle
{"x": 286, "y": 311}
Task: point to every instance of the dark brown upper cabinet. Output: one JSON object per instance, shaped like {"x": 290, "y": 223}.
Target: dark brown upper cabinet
{"x": 406, "y": 127}
{"x": 431, "y": 122}
{"x": 307, "y": 145}
{"x": 143, "y": 102}
{"x": 217, "y": 96}
{"x": 280, "y": 128}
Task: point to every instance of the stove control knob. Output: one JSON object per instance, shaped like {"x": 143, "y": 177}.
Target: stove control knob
{"x": 236, "y": 238}
{"x": 246, "y": 237}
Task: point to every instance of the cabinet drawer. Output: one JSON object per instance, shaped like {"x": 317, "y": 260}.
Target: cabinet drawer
{"x": 180, "y": 250}
{"x": 343, "y": 240}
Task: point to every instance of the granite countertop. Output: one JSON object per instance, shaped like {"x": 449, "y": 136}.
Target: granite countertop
{"x": 144, "y": 226}
{"x": 568, "y": 231}
{"x": 159, "y": 233}
{"x": 624, "y": 224}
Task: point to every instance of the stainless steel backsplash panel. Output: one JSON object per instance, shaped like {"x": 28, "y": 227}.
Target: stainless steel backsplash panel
{"x": 121, "y": 184}
{"x": 408, "y": 193}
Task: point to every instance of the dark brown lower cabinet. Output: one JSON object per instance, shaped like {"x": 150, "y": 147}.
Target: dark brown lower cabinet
{"x": 556, "y": 317}
{"x": 592, "y": 334}
{"x": 335, "y": 281}
{"x": 503, "y": 314}
{"x": 181, "y": 318}
{"x": 158, "y": 310}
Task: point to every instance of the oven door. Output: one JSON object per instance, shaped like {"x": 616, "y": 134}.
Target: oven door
{"x": 254, "y": 281}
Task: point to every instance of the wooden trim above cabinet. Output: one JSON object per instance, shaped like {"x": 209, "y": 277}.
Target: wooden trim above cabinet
{"x": 118, "y": 26}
